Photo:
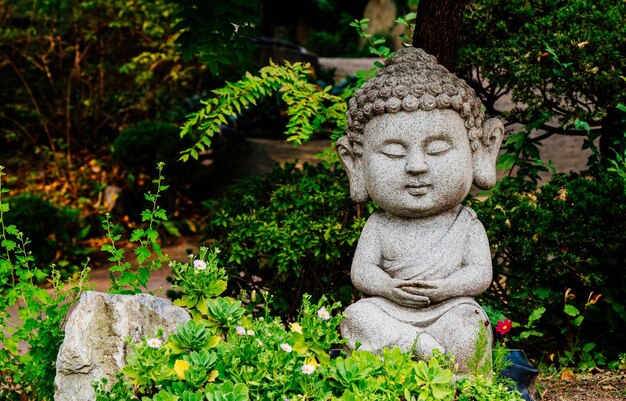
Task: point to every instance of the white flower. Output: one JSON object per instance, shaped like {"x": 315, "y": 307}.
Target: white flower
{"x": 240, "y": 330}
{"x": 250, "y": 332}
{"x": 286, "y": 347}
{"x": 308, "y": 369}
{"x": 323, "y": 313}
{"x": 199, "y": 264}
{"x": 154, "y": 343}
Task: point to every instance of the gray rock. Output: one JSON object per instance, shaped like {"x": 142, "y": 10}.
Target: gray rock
{"x": 95, "y": 334}
{"x": 417, "y": 140}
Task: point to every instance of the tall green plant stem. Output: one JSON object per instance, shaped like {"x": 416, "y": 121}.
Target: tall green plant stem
{"x": 2, "y": 227}
{"x": 130, "y": 281}
{"x": 9, "y": 245}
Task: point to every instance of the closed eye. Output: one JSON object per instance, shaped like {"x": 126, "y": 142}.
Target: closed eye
{"x": 438, "y": 147}
{"x": 394, "y": 150}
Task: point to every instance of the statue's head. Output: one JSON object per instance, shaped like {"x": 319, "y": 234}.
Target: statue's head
{"x": 417, "y": 137}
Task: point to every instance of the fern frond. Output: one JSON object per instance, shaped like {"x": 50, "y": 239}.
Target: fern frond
{"x": 310, "y": 108}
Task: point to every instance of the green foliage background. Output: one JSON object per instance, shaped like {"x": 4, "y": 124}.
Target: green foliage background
{"x": 54, "y": 232}
{"x": 75, "y": 72}
{"x": 291, "y": 232}
{"x": 219, "y": 32}
{"x": 564, "y": 59}
{"x": 566, "y": 234}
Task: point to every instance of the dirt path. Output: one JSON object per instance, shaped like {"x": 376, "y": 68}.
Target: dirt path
{"x": 606, "y": 386}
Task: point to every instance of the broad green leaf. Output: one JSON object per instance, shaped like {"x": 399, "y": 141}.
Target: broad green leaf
{"x": 589, "y": 347}
{"x": 9, "y": 245}
{"x": 536, "y": 315}
{"x": 571, "y": 310}
{"x": 578, "y": 321}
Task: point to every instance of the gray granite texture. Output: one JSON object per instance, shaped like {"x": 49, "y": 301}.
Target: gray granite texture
{"x": 417, "y": 140}
{"x": 95, "y": 338}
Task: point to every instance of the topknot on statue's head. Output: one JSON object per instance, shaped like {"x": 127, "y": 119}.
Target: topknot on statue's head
{"x": 413, "y": 80}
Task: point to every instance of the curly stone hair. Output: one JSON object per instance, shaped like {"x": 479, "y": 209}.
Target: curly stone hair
{"x": 413, "y": 80}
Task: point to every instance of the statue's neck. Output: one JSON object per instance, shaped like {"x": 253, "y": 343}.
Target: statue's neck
{"x": 443, "y": 219}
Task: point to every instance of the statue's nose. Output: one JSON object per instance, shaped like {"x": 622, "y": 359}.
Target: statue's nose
{"x": 415, "y": 163}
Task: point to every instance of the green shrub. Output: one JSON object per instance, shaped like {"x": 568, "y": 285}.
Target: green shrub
{"x": 53, "y": 231}
{"x": 295, "y": 231}
{"x": 141, "y": 145}
{"x": 218, "y": 32}
{"x": 562, "y": 59}
{"x": 560, "y": 246}
{"x": 292, "y": 232}
{"x": 74, "y": 73}
{"x": 30, "y": 339}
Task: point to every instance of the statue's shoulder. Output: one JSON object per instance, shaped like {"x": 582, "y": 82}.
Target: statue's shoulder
{"x": 469, "y": 212}
{"x": 474, "y": 225}
{"x": 376, "y": 219}
{"x": 376, "y": 222}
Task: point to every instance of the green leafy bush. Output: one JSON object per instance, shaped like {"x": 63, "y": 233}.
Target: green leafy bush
{"x": 562, "y": 59}
{"x": 54, "y": 232}
{"x": 219, "y": 32}
{"x": 140, "y": 145}
{"x": 76, "y": 72}
{"x": 31, "y": 338}
{"x": 561, "y": 247}
{"x": 291, "y": 232}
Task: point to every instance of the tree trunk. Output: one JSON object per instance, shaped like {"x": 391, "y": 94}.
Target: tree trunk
{"x": 437, "y": 28}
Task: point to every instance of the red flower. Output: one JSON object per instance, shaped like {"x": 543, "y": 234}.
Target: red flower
{"x": 504, "y": 327}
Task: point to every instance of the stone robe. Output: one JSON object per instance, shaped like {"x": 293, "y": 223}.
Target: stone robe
{"x": 377, "y": 322}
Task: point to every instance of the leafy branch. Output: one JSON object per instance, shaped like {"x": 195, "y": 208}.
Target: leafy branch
{"x": 375, "y": 44}
{"x": 310, "y": 107}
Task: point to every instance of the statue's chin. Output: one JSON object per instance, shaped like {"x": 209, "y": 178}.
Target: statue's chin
{"x": 419, "y": 205}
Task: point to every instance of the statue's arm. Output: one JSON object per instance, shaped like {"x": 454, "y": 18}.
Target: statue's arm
{"x": 367, "y": 275}
{"x": 475, "y": 274}
{"x": 471, "y": 279}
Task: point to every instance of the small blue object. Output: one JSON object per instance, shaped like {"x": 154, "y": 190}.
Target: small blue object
{"x": 522, "y": 372}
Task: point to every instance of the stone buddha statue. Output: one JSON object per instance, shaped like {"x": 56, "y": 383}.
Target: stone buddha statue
{"x": 417, "y": 140}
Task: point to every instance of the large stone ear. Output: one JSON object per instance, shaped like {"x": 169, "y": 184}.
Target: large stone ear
{"x": 485, "y": 156}
{"x": 354, "y": 167}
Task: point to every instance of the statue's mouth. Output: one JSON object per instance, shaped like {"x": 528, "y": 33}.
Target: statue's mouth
{"x": 417, "y": 188}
